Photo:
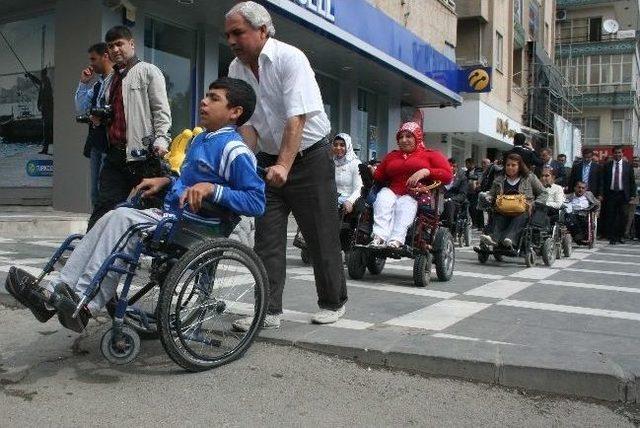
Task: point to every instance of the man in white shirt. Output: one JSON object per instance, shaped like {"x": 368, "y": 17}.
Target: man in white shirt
{"x": 578, "y": 204}
{"x": 289, "y": 131}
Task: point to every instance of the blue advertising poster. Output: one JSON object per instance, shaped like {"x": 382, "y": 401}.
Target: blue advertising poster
{"x": 26, "y": 102}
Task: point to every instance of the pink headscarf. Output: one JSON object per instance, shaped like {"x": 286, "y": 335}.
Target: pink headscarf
{"x": 416, "y": 130}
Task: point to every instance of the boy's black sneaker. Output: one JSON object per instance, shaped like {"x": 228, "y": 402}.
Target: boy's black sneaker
{"x": 20, "y": 285}
{"x": 65, "y": 301}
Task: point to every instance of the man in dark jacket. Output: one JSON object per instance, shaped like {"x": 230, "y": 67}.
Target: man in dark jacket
{"x": 455, "y": 193}
{"x": 549, "y": 163}
{"x": 587, "y": 171}
{"x": 618, "y": 186}
{"x": 525, "y": 150}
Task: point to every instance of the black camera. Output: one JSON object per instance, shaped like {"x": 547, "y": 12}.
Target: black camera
{"x": 103, "y": 113}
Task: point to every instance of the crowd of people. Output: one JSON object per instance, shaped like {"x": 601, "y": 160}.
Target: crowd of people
{"x": 268, "y": 115}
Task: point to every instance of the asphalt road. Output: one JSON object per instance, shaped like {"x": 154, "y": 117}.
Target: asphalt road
{"x": 51, "y": 377}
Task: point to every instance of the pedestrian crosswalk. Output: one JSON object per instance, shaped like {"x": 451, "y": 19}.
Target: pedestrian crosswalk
{"x": 473, "y": 306}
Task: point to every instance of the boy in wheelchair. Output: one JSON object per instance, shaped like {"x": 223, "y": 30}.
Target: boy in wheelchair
{"x": 578, "y": 206}
{"x": 218, "y": 168}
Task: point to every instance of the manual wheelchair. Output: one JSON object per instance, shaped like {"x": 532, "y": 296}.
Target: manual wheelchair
{"x": 585, "y": 230}
{"x": 200, "y": 282}
{"x": 541, "y": 237}
{"x": 460, "y": 228}
{"x": 427, "y": 242}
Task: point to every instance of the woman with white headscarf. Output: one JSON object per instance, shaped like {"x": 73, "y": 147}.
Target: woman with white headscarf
{"x": 348, "y": 179}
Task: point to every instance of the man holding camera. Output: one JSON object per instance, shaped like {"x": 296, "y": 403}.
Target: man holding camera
{"x": 90, "y": 101}
{"x": 137, "y": 118}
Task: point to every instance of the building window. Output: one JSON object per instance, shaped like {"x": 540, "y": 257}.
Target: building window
{"x": 580, "y": 30}
{"x": 517, "y": 67}
{"x": 499, "y": 51}
{"x": 590, "y": 129}
{"x": 621, "y": 126}
{"x": 599, "y": 73}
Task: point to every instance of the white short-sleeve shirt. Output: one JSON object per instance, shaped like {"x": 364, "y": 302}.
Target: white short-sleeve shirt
{"x": 287, "y": 88}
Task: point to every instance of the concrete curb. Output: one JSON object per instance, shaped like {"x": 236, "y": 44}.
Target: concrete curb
{"x": 20, "y": 226}
{"x": 591, "y": 378}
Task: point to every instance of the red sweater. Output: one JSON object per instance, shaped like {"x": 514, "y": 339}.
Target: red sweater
{"x": 397, "y": 167}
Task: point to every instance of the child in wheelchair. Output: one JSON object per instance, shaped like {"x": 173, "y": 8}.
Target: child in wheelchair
{"x": 218, "y": 168}
{"x": 579, "y": 205}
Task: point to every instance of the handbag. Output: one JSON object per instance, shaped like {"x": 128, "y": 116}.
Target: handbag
{"x": 511, "y": 205}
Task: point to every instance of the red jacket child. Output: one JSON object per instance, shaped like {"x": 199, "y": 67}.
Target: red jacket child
{"x": 398, "y": 166}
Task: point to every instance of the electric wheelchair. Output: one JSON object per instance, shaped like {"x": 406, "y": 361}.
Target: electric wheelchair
{"x": 541, "y": 237}
{"x": 199, "y": 283}
{"x": 582, "y": 226}
{"x": 427, "y": 241}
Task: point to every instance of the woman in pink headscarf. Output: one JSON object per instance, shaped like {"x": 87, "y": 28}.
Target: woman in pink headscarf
{"x": 400, "y": 172}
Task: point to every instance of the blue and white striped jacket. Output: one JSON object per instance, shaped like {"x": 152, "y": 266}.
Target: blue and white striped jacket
{"x": 221, "y": 158}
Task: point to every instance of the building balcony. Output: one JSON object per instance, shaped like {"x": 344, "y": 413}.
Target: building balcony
{"x": 568, "y": 4}
{"x": 478, "y": 9}
{"x": 606, "y": 99}
{"x": 605, "y": 47}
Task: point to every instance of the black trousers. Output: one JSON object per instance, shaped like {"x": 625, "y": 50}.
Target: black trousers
{"x": 508, "y": 227}
{"x": 310, "y": 194}
{"x": 616, "y": 220}
{"x": 117, "y": 179}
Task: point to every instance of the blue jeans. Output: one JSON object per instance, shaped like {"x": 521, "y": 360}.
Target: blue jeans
{"x": 96, "y": 162}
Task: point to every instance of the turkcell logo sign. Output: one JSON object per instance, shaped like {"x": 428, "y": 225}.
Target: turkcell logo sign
{"x": 40, "y": 168}
{"x": 323, "y": 8}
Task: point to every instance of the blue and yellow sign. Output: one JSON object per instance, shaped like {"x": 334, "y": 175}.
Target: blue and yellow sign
{"x": 40, "y": 168}
{"x": 475, "y": 79}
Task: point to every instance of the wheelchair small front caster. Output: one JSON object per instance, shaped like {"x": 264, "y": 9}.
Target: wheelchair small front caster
{"x": 122, "y": 349}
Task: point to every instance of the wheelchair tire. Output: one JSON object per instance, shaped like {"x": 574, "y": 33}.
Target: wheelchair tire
{"x": 548, "y": 252}
{"x": 375, "y": 265}
{"x": 357, "y": 263}
{"x": 305, "y": 256}
{"x": 567, "y": 249}
{"x": 498, "y": 257}
{"x": 201, "y": 259}
{"x": 530, "y": 257}
{"x": 422, "y": 270}
{"x": 445, "y": 257}
{"x": 467, "y": 235}
{"x": 124, "y": 351}
{"x": 483, "y": 257}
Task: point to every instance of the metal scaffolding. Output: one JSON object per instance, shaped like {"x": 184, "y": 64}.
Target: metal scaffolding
{"x": 548, "y": 93}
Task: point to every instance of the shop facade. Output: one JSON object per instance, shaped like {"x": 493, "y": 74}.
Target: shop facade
{"x": 370, "y": 81}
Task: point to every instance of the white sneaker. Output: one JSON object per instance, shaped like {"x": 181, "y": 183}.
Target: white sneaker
{"x": 487, "y": 240}
{"x": 507, "y": 243}
{"x": 271, "y": 322}
{"x": 326, "y": 316}
{"x": 376, "y": 242}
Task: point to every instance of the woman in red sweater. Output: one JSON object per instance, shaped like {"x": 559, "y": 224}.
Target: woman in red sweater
{"x": 400, "y": 172}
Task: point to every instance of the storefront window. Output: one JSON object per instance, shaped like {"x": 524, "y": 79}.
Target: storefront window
{"x": 366, "y": 142}
{"x": 330, "y": 90}
{"x": 173, "y": 50}
{"x": 26, "y": 102}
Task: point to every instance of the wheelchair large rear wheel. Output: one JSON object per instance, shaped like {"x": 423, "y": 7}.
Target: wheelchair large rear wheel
{"x": 214, "y": 284}
{"x": 548, "y": 251}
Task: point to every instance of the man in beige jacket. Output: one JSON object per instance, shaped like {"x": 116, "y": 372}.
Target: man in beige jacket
{"x": 138, "y": 122}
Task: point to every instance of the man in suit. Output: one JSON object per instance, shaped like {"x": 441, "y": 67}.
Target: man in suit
{"x": 562, "y": 160}
{"x": 618, "y": 187}
{"x": 525, "y": 150}
{"x": 549, "y": 163}
{"x": 578, "y": 204}
{"x": 587, "y": 171}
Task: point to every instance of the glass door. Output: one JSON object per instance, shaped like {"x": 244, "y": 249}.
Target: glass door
{"x": 173, "y": 50}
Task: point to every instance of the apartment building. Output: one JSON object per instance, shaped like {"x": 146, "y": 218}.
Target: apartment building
{"x": 505, "y": 35}
{"x": 597, "y": 50}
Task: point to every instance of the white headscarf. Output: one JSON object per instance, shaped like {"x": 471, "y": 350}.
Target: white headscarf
{"x": 349, "y": 155}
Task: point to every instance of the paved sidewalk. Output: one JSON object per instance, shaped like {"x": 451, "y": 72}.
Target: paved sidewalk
{"x": 21, "y": 222}
{"x": 571, "y": 329}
